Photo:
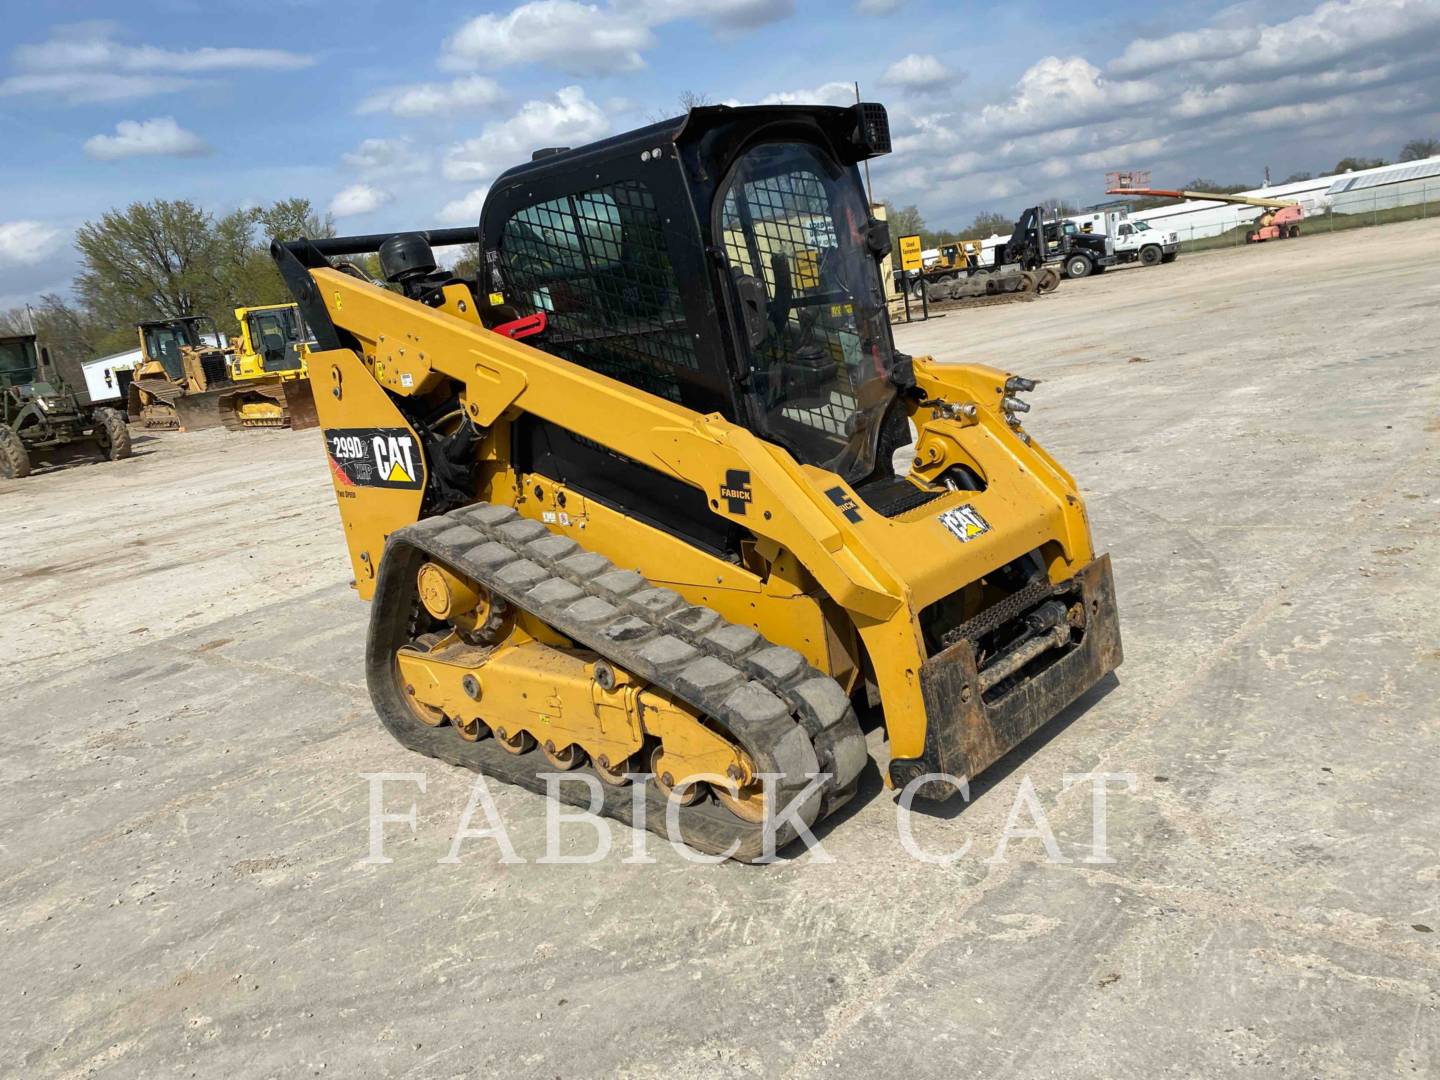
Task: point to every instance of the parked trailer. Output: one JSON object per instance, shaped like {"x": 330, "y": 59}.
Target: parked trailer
{"x": 107, "y": 378}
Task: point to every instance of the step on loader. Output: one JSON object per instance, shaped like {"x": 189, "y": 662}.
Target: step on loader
{"x": 628, "y": 504}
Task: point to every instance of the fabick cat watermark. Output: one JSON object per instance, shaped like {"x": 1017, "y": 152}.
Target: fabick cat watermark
{"x": 480, "y": 829}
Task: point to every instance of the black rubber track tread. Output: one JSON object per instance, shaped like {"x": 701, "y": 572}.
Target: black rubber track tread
{"x": 790, "y": 717}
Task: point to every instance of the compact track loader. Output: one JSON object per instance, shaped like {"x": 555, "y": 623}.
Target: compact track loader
{"x": 629, "y": 503}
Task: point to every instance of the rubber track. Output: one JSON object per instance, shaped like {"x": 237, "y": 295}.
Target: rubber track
{"x": 790, "y": 717}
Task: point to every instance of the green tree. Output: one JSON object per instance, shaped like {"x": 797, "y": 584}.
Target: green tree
{"x": 1295, "y": 178}
{"x": 1416, "y": 149}
{"x": 906, "y": 221}
{"x": 467, "y": 264}
{"x": 165, "y": 259}
{"x": 990, "y": 223}
{"x": 292, "y": 219}
{"x": 155, "y": 259}
{"x": 1355, "y": 164}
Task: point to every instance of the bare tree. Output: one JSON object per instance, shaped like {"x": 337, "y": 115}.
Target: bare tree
{"x": 1416, "y": 149}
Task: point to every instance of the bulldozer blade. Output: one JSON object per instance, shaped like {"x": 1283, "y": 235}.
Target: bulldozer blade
{"x": 300, "y": 404}
{"x": 197, "y": 412}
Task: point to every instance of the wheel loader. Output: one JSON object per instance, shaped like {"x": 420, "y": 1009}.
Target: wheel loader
{"x": 272, "y": 387}
{"x": 646, "y": 501}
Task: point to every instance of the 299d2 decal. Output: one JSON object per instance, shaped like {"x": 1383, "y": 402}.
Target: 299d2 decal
{"x": 375, "y": 457}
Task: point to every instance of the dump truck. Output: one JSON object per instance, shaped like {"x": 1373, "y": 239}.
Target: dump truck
{"x": 40, "y": 413}
{"x": 626, "y": 505}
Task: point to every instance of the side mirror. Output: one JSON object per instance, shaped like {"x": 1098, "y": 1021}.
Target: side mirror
{"x": 877, "y": 237}
{"x": 754, "y": 308}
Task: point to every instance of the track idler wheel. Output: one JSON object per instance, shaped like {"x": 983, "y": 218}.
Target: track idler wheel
{"x": 564, "y": 758}
{"x": 473, "y": 731}
{"x": 521, "y": 742}
{"x": 613, "y": 774}
{"x": 746, "y": 803}
{"x": 688, "y": 795}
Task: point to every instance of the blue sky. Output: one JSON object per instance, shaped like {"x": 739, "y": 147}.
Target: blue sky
{"x": 399, "y": 115}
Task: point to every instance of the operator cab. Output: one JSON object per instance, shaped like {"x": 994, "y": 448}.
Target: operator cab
{"x": 275, "y": 336}
{"x": 164, "y": 341}
{"x": 755, "y": 215}
{"x": 18, "y": 363}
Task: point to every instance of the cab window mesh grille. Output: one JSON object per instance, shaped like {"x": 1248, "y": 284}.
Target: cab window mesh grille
{"x": 777, "y": 229}
{"x": 595, "y": 262}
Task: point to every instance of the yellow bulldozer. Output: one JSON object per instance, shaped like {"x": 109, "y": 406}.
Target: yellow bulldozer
{"x": 189, "y": 378}
{"x": 268, "y": 369}
{"x": 650, "y": 507}
{"x": 183, "y": 362}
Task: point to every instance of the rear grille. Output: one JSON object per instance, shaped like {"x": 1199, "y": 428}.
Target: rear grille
{"x": 895, "y": 496}
{"x": 215, "y": 369}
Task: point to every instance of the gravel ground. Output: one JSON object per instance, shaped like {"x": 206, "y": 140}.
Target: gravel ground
{"x": 184, "y": 728}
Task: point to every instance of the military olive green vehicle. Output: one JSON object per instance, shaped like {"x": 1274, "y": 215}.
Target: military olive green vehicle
{"x": 39, "y": 413}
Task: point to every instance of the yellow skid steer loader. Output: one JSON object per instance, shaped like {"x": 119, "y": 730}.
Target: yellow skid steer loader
{"x": 656, "y": 497}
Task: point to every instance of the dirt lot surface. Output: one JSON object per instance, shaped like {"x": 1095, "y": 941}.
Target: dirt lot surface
{"x": 184, "y": 728}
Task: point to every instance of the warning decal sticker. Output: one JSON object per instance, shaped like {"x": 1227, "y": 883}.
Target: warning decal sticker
{"x": 965, "y": 523}
{"x": 374, "y": 457}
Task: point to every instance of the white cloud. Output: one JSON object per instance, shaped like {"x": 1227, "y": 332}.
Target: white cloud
{"x": 830, "y": 93}
{"x": 580, "y": 39}
{"x": 358, "y": 199}
{"x": 160, "y": 137}
{"x": 1332, "y": 33}
{"x": 24, "y": 243}
{"x": 1060, "y": 92}
{"x": 722, "y": 15}
{"x": 1250, "y": 88}
{"x": 878, "y": 7}
{"x": 386, "y": 157}
{"x": 466, "y": 209}
{"x": 85, "y": 87}
{"x": 85, "y": 63}
{"x": 567, "y": 119}
{"x": 587, "y": 39}
{"x": 92, "y": 46}
{"x": 1143, "y": 56}
{"x": 920, "y": 71}
{"x": 427, "y": 99}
